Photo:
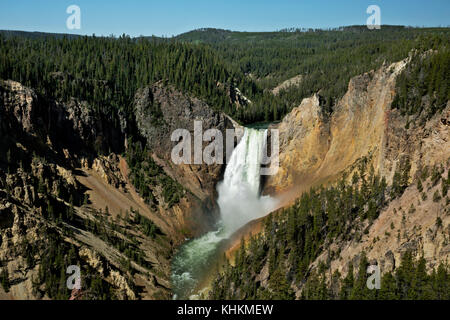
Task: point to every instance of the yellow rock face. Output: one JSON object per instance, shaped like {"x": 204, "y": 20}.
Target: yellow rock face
{"x": 316, "y": 148}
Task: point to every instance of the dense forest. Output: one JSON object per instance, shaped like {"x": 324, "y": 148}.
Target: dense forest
{"x": 106, "y": 72}
{"x": 145, "y": 174}
{"x": 326, "y": 59}
{"x": 410, "y": 281}
{"x": 424, "y": 87}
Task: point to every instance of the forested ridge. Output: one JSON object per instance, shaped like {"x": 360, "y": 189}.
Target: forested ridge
{"x": 326, "y": 59}
{"x": 107, "y": 71}
{"x": 424, "y": 87}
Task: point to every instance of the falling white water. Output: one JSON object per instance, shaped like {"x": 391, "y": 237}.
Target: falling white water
{"x": 239, "y": 192}
{"x": 239, "y": 202}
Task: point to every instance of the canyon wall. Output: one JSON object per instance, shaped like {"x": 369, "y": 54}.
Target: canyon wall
{"x": 319, "y": 149}
{"x": 63, "y": 179}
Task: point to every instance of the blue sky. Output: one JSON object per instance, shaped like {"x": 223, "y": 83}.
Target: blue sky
{"x": 166, "y": 17}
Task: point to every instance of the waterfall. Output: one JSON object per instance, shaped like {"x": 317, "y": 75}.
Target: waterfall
{"x": 239, "y": 201}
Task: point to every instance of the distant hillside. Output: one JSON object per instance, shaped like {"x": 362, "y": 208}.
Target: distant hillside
{"x": 255, "y": 63}
{"x": 325, "y": 59}
{"x": 36, "y": 34}
{"x": 209, "y": 35}
{"x": 213, "y": 35}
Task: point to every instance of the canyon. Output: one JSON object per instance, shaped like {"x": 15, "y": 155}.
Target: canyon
{"x": 55, "y": 143}
{"x": 64, "y": 149}
{"x": 319, "y": 150}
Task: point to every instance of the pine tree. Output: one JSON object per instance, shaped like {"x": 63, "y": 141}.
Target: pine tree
{"x": 442, "y": 283}
{"x": 387, "y": 287}
{"x": 347, "y": 285}
{"x": 4, "y": 279}
{"x": 360, "y": 290}
{"x": 279, "y": 286}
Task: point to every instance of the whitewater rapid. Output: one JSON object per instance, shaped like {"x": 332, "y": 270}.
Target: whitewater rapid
{"x": 239, "y": 201}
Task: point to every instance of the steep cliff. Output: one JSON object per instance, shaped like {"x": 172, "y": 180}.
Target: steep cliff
{"x": 379, "y": 184}
{"x": 66, "y": 195}
{"x": 363, "y": 127}
{"x": 159, "y": 111}
{"x": 316, "y": 148}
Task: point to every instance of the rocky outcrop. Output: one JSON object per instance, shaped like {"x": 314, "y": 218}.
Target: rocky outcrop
{"x": 55, "y": 185}
{"x": 71, "y": 127}
{"x": 19, "y": 103}
{"x": 304, "y": 143}
{"x": 55, "y": 180}
{"x": 159, "y": 111}
{"x": 235, "y": 95}
{"x": 289, "y": 83}
{"x": 411, "y": 223}
{"x": 315, "y": 150}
